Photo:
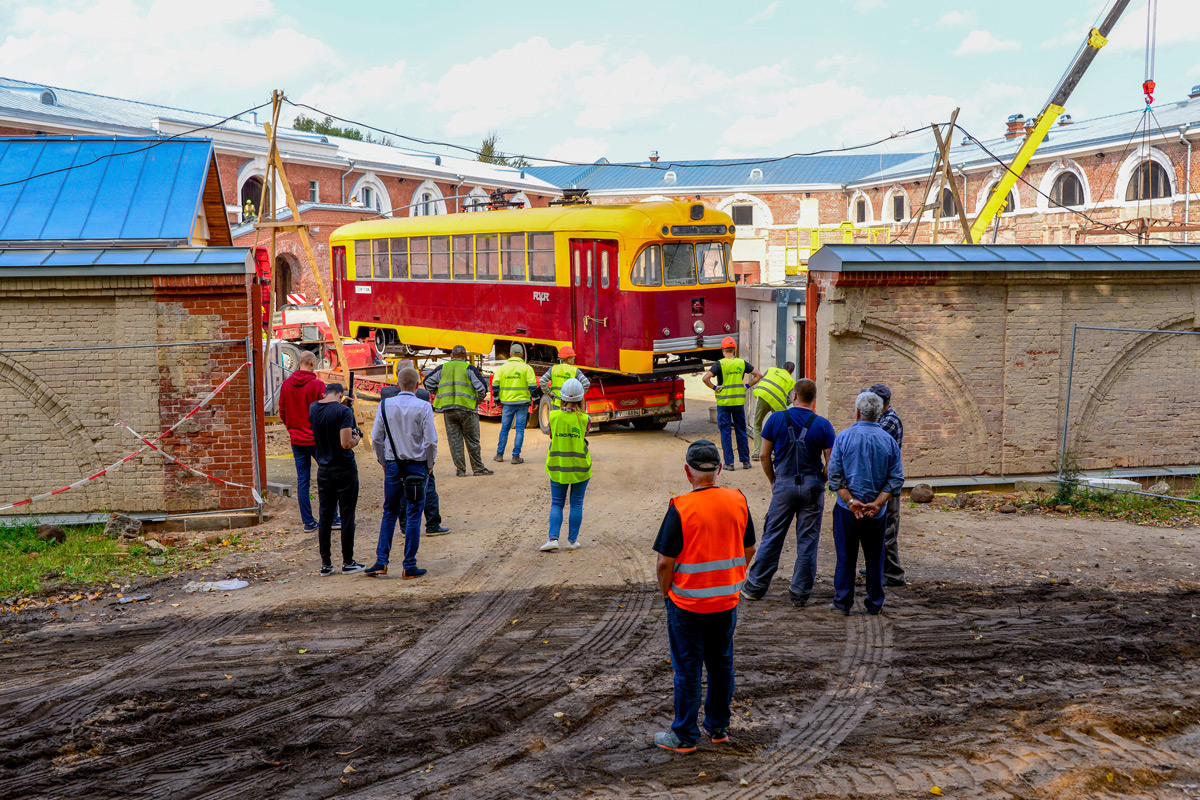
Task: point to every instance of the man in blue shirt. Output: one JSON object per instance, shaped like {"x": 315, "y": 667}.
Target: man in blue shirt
{"x": 796, "y": 447}
{"x": 865, "y": 471}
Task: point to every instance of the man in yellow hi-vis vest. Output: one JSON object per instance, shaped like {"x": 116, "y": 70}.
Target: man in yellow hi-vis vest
{"x": 515, "y": 387}
{"x": 727, "y": 379}
{"x": 552, "y": 380}
{"x": 773, "y": 393}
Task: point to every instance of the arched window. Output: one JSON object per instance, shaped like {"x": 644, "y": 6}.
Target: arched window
{"x": 476, "y": 200}
{"x": 1067, "y": 191}
{"x": 252, "y": 192}
{"x": 1149, "y": 182}
{"x": 427, "y": 201}
{"x": 860, "y": 210}
{"x": 948, "y": 207}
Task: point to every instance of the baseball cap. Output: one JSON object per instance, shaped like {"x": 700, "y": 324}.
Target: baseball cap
{"x": 702, "y": 455}
{"x": 881, "y": 389}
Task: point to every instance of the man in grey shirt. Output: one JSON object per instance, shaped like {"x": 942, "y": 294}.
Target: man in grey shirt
{"x": 405, "y": 442}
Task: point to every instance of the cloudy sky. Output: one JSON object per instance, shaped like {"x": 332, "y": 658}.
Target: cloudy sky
{"x": 577, "y": 81}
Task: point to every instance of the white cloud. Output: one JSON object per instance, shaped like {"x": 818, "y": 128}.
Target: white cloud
{"x": 1178, "y": 24}
{"x": 578, "y": 148}
{"x": 980, "y": 43}
{"x": 833, "y": 61}
{"x": 765, "y": 14}
{"x": 956, "y": 19}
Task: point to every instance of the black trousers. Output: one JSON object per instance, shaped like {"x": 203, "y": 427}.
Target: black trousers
{"x": 337, "y": 492}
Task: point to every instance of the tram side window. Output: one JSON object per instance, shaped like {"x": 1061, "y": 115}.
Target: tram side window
{"x": 647, "y": 270}
{"x": 362, "y": 259}
{"x": 576, "y": 267}
{"x": 541, "y": 257}
{"x": 603, "y": 269}
{"x": 487, "y": 257}
{"x": 679, "y": 262}
{"x": 418, "y": 257}
{"x": 439, "y": 258}
{"x": 399, "y": 258}
{"x": 379, "y": 249}
{"x": 464, "y": 252}
{"x": 512, "y": 253}
{"x": 710, "y": 259}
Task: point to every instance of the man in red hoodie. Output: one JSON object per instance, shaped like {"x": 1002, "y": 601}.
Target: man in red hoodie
{"x": 301, "y": 389}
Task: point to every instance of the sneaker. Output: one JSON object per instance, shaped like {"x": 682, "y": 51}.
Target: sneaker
{"x": 745, "y": 465}
{"x": 798, "y": 602}
{"x": 438, "y": 531}
{"x": 667, "y": 740}
{"x": 375, "y": 570}
{"x": 746, "y": 593}
{"x": 895, "y": 582}
{"x": 327, "y": 569}
{"x": 718, "y": 735}
{"x": 310, "y": 528}
{"x": 352, "y": 567}
{"x": 337, "y": 525}
{"x": 462, "y": 473}
{"x": 517, "y": 460}
{"x": 415, "y": 572}
{"x": 729, "y": 468}
{"x": 499, "y": 457}
{"x": 551, "y": 544}
{"x": 835, "y": 608}
{"x": 483, "y": 471}
{"x": 572, "y": 545}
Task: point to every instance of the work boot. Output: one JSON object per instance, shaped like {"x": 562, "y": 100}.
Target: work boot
{"x": 462, "y": 473}
{"x": 483, "y": 471}
{"x": 499, "y": 457}
{"x": 517, "y": 460}
{"x": 415, "y": 572}
{"x": 375, "y": 569}
{"x": 835, "y": 608}
{"x": 438, "y": 531}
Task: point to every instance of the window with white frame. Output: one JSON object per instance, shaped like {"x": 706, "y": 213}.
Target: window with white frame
{"x": 314, "y": 192}
{"x": 742, "y": 214}
{"x": 1067, "y": 191}
{"x": 898, "y": 207}
{"x": 1148, "y": 182}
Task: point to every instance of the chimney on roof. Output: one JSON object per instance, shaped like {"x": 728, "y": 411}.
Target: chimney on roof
{"x": 1016, "y": 126}
{"x": 1195, "y": 92}
{"x": 1065, "y": 119}
{"x": 653, "y": 156}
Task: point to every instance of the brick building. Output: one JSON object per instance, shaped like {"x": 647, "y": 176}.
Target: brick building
{"x": 1112, "y": 168}
{"x": 118, "y": 305}
{"x": 335, "y": 180}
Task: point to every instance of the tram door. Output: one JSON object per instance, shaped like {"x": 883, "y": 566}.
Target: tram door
{"x": 594, "y": 281}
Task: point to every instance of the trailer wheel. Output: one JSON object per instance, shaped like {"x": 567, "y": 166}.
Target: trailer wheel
{"x": 543, "y": 414}
{"x": 289, "y": 356}
{"x": 649, "y": 424}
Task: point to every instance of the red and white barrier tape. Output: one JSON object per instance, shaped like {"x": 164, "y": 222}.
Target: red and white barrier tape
{"x": 193, "y": 470}
{"x": 149, "y": 444}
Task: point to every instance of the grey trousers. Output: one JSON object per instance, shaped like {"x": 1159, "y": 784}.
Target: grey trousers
{"x": 805, "y": 502}
{"x": 891, "y": 545}
{"x": 462, "y": 426}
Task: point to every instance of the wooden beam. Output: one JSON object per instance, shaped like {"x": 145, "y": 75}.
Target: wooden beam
{"x": 944, "y": 148}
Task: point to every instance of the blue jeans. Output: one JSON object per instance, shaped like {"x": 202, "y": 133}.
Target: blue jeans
{"x": 513, "y": 417}
{"x": 304, "y": 455}
{"x": 396, "y": 506}
{"x": 733, "y": 417}
{"x": 558, "y": 499}
{"x": 806, "y": 502}
{"x": 848, "y": 535}
{"x": 701, "y": 641}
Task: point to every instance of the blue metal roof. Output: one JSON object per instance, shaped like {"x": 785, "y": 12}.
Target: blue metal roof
{"x": 1003, "y": 257}
{"x": 95, "y": 189}
{"x": 793, "y": 171}
{"x": 26, "y": 263}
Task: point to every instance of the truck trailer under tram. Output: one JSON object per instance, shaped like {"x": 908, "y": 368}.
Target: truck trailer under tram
{"x": 643, "y": 293}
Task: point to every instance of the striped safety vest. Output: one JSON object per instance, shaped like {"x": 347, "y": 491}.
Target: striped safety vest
{"x": 454, "y": 389}
{"x": 775, "y": 388}
{"x": 732, "y": 391}
{"x": 514, "y": 380}
{"x": 711, "y": 568}
{"x": 568, "y": 460}
{"x": 560, "y": 374}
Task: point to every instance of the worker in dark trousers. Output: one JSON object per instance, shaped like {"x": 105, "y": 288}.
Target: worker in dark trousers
{"x": 893, "y": 573}
{"x": 795, "y": 454}
{"x": 433, "y": 505}
{"x": 335, "y": 434}
{"x": 727, "y": 379}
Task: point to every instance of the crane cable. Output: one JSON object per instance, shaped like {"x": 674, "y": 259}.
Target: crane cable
{"x": 1151, "y": 41}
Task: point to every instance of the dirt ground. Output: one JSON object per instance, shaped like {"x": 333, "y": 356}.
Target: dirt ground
{"x": 1033, "y": 656}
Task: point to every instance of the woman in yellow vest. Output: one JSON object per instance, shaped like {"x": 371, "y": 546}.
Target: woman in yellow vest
{"x": 569, "y": 464}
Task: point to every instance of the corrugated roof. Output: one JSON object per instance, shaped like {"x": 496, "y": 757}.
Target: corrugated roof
{"x": 111, "y": 190}
{"x": 794, "y": 171}
{"x": 24, "y": 263}
{"x": 1003, "y": 257}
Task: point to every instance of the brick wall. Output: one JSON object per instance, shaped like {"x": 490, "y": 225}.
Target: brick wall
{"x": 978, "y": 365}
{"x": 59, "y": 424}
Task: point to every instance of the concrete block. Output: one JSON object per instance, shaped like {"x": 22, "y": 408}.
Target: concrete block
{"x": 281, "y": 489}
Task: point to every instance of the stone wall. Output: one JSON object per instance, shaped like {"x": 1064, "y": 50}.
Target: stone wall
{"x": 62, "y": 406}
{"x": 978, "y": 365}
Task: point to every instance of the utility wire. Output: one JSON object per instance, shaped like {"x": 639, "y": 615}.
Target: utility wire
{"x": 666, "y": 165}
{"x": 157, "y": 143}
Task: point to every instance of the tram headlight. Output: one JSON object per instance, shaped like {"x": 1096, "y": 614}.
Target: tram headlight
{"x": 698, "y": 326}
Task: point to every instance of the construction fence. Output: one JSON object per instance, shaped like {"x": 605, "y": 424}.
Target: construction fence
{"x": 142, "y": 429}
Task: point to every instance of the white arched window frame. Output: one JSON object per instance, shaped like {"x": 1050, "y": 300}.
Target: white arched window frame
{"x": 380, "y": 200}
{"x": 762, "y": 214}
{"x": 255, "y": 168}
{"x": 935, "y": 196}
{"x": 869, "y": 211}
{"x": 889, "y": 204}
{"x": 521, "y": 199}
{"x": 427, "y": 200}
{"x": 984, "y": 193}
{"x": 1130, "y": 165}
{"x": 476, "y": 200}
{"x": 1046, "y": 187}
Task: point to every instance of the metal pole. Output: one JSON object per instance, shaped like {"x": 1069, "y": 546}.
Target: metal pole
{"x": 1062, "y": 452}
{"x": 253, "y": 423}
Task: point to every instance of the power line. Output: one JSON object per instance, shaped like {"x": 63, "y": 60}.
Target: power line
{"x": 475, "y": 152}
{"x": 157, "y": 143}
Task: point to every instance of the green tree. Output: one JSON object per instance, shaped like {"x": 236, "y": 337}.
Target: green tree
{"x": 328, "y": 128}
{"x": 488, "y": 153}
